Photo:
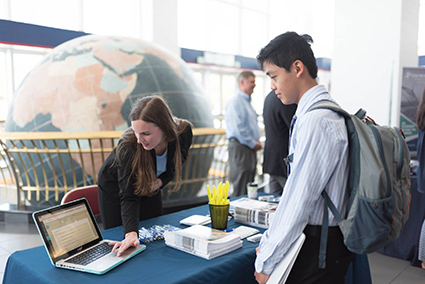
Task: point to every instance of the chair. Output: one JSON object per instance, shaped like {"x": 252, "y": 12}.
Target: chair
{"x": 89, "y": 192}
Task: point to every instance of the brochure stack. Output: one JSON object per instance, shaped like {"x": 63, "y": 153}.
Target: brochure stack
{"x": 253, "y": 212}
{"x": 203, "y": 241}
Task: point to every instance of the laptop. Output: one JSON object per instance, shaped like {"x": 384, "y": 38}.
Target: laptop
{"x": 73, "y": 240}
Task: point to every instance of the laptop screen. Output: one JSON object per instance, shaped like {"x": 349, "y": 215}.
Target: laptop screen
{"x": 67, "y": 229}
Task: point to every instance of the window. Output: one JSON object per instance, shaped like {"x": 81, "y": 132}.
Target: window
{"x": 214, "y": 90}
{"x": 3, "y": 89}
{"x": 228, "y": 89}
{"x": 22, "y": 64}
{"x": 223, "y": 28}
{"x": 51, "y": 13}
{"x": 421, "y": 33}
{"x": 111, "y": 17}
{"x": 254, "y": 33}
{"x": 15, "y": 63}
{"x": 208, "y": 25}
{"x": 228, "y": 27}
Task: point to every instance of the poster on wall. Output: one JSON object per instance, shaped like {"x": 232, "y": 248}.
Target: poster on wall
{"x": 412, "y": 86}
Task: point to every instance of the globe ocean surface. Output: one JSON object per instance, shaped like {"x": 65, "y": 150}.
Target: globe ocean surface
{"x": 88, "y": 84}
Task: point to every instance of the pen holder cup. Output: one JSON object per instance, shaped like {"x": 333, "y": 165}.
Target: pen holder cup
{"x": 219, "y": 216}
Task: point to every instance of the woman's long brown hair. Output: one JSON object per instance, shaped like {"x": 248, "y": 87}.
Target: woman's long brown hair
{"x": 136, "y": 161}
{"x": 420, "y": 114}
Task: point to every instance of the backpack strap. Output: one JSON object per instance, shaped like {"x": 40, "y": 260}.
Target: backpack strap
{"x": 331, "y": 206}
{"x": 327, "y": 104}
{"x": 324, "y": 235}
{"x": 401, "y": 158}
{"x": 353, "y": 141}
{"x": 325, "y": 227}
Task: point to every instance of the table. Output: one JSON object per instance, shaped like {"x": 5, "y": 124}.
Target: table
{"x": 407, "y": 245}
{"x": 157, "y": 264}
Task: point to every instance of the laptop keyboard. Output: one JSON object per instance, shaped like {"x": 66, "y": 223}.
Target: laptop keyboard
{"x": 91, "y": 255}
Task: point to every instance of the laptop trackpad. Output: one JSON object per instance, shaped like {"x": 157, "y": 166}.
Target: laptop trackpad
{"x": 112, "y": 258}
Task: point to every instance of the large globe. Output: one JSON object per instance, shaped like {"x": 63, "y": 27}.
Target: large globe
{"x": 89, "y": 83}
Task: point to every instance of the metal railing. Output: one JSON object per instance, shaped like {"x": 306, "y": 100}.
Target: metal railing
{"x": 39, "y": 167}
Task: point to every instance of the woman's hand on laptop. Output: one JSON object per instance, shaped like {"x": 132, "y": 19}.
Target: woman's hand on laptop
{"x": 131, "y": 240}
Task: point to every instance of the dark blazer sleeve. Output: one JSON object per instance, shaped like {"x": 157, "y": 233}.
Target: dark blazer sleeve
{"x": 185, "y": 140}
{"x": 277, "y": 120}
{"x": 130, "y": 202}
{"x": 286, "y": 113}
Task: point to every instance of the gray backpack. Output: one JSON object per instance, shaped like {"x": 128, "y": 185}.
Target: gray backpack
{"x": 379, "y": 185}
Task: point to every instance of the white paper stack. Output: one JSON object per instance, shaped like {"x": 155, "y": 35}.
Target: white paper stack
{"x": 244, "y": 231}
{"x": 196, "y": 220}
{"x": 203, "y": 241}
{"x": 253, "y": 212}
{"x": 283, "y": 268}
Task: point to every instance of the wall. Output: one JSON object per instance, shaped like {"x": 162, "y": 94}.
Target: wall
{"x": 373, "y": 41}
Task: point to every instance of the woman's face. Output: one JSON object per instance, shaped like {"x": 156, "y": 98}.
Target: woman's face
{"x": 149, "y": 135}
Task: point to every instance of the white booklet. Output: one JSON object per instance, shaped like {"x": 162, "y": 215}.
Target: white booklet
{"x": 282, "y": 269}
{"x": 253, "y": 212}
{"x": 210, "y": 255}
{"x": 244, "y": 231}
{"x": 196, "y": 220}
{"x": 202, "y": 241}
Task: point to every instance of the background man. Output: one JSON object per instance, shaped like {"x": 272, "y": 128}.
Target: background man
{"x": 243, "y": 133}
{"x": 277, "y": 118}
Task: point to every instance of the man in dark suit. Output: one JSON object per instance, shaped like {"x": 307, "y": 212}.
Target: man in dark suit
{"x": 277, "y": 118}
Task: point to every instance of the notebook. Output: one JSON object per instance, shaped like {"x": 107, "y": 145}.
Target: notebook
{"x": 283, "y": 268}
{"x": 73, "y": 240}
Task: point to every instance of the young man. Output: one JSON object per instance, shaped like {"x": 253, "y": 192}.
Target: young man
{"x": 243, "y": 133}
{"x": 319, "y": 160}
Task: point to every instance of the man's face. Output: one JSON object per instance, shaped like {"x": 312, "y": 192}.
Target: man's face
{"x": 247, "y": 85}
{"x": 283, "y": 83}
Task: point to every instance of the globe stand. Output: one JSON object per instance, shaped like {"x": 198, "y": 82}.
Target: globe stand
{"x": 9, "y": 213}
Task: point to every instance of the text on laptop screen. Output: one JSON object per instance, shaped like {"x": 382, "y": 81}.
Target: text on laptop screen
{"x": 68, "y": 229}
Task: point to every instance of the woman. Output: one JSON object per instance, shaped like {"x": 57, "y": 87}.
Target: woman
{"x": 149, "y": 155}
{"x": 420, "y": 171}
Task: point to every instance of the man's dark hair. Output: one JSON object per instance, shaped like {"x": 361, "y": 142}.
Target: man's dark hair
{"x": 286, "y": 48}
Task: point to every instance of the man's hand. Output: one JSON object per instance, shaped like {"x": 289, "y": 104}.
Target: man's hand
{"x": 131, "y": 240}
{"x": 257, "y": 146}
{"x": 261, "y": 277}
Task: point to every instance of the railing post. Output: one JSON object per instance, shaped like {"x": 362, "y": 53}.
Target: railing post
{"x": 15, "y": 170}
{"x": 20, "y": 203}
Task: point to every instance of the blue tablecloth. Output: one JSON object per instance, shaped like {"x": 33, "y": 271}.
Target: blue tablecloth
{"x": 157, "y": 264}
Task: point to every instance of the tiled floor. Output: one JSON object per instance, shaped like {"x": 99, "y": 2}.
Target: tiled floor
{"x": 384, "y": 269}
{"x": 13, "y": 237}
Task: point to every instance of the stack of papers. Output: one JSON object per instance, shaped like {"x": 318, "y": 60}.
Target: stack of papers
{"x": 244, "y": 231}
{"x": 282, "y": 269}
{"x": 253, "y": 212}
{"x": 196, "y": 220}
{"x": 203, "y": 241}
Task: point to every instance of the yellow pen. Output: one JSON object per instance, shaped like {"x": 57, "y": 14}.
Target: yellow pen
{"x": 227, "y": 188}
{"x": 209, "y": 193}
{"x": 214, "y": 197}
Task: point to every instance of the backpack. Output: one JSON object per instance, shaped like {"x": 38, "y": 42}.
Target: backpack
{"x": 378, "y": 184}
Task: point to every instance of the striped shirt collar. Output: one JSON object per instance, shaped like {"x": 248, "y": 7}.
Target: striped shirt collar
{"x": 310, "y": 97}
